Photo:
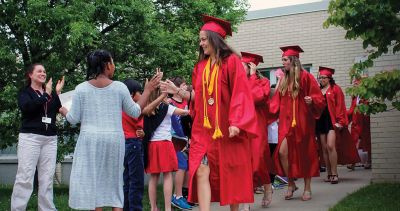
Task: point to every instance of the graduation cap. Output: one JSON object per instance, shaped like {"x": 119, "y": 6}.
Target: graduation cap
{"x": 250, "y": 57}
{"x": 222, "y": 27}
{"x": 293, "y": 50}
{"x": 326, "y": 71}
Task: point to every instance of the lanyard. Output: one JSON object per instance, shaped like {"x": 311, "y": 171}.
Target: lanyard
{"x": 45, "y": 106}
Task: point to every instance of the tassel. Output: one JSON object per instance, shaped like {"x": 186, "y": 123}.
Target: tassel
{"x": 206, "y": 123}
{"x": 217, "y": 133}
{"x": 294, "y": 123}
{"x": 294, "y": 113}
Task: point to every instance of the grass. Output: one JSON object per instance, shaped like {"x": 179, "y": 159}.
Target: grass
{"x": 61, "y": 199}
{"x": 379, "y": 196}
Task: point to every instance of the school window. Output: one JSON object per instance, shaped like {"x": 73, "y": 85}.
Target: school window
{"x": 269, "y": 72}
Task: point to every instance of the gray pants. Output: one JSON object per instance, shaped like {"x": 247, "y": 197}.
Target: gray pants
{"x": 35, "y": 150}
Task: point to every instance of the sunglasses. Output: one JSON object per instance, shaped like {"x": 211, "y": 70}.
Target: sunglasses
{"x": 323, "y": 77}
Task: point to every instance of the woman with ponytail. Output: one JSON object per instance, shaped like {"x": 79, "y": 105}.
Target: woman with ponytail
{"x": 224, "y": 118}
{"x": 297, "y": 103}
{"x": 97, "y": 104}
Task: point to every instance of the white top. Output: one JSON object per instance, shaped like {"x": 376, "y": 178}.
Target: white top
{"x": 273, "y": 133}
{"x": 163, "y": 131}
{"x": 97, "y": 169}
{"x": 100, "y": 109}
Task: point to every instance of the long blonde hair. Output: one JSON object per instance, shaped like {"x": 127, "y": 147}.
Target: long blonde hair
{"x": 293, "y": 75}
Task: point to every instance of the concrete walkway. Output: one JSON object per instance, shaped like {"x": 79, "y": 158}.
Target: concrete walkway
{"x": 325, "y": 195}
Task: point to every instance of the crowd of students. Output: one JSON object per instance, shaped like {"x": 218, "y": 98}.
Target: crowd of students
{"x": 224, "y": 136}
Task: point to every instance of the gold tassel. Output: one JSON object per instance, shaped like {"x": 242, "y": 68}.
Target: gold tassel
{"x": 294, "y": 113}
{"x": 217, "y": 133}
{"x": 294, "y": 123}
{"x": 206, "y": 123}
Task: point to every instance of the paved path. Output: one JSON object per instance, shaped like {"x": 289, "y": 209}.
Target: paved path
{"x": 324, "y": 195}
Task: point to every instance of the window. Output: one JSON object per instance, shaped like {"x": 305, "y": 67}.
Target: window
{"x": 269, "y": 72}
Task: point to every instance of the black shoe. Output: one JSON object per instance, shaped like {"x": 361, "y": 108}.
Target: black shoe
{"x": 193, "y": 204}
{"x": 322, "y": 169}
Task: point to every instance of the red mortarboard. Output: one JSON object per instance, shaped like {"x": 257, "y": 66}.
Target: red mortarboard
{"x": 222, "y": 27}
{"x": 250, "y": 57}
{"x": 326, "y": 71}
{"x": 293, "y": 50}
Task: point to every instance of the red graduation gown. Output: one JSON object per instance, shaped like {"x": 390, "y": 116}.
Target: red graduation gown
{"x": 360, "y": 126}
{"x": 228, "y": 158}
{"x": 261, "y": 158}
{"x": 302, "y": 147}
{"x": 346, "y": 149}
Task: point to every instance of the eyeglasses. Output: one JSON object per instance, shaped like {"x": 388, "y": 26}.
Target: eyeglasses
{"x": 323, "y": 77}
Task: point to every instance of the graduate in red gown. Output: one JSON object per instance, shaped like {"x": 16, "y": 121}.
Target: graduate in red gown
{"x": 298, "y": 102}
{"x": 360, "y": 127}
{"x": 261, "y": 159}
{"x": 224, "y": 121}
{"x": 336, "y": 142}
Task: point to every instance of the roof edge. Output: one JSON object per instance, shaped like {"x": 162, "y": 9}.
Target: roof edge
{"x": 288, "y": 10}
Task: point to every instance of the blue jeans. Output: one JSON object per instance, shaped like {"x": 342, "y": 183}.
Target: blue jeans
{"x": 133, "y": 174}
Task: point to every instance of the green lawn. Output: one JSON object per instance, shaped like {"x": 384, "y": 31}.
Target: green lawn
{"x": 380, "y": 196}
{"x": 61, "y": 199}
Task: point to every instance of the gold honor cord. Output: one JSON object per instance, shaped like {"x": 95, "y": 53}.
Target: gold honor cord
{"x": 210, "y": 88}
{"x": 294, "y": 113}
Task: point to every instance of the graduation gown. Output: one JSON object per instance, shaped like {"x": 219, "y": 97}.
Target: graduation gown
{"x": 261, "y": 158}
{"x": 228, "y": 158}
{"x": 360, "y": 126}
{"x": 346, "y": 149}
{"x": 301, "y": 142}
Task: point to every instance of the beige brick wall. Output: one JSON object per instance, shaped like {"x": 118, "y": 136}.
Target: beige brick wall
{"x": 326, "y": 47}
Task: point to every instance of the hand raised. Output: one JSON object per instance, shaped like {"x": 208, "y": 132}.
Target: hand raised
{"x": 169, "y": 87}
{"x": 253, "y": 68}
{"x": 49, "y": 86}
{"x": 154, "y": 82}
{"x": 60, "y": 85}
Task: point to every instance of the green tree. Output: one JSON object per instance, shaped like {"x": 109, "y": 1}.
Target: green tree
{"x": 377, "y": 23}
{"x": 141, "y": 35}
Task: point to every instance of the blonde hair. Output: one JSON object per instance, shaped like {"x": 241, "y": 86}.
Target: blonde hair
{"x": 152, "y": 97}
{"x": 292, "y": 77}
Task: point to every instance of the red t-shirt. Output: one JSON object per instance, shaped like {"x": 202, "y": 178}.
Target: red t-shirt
{"x": 130, "y": 125}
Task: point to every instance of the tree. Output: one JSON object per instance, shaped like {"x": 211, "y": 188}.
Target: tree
{"x": 141, "y": 35}
{"x": 377, "y": 23}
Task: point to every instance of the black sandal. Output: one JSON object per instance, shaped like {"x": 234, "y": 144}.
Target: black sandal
{"x": 333, "y": 180}
{"x": 328, "y": 178}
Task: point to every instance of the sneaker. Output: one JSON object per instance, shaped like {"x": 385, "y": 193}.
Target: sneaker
{"x": 282, "y": 179}
{"x": 180, "y": 203}
{"x": 278, "y": 186}
{"x": 185, "y": 195}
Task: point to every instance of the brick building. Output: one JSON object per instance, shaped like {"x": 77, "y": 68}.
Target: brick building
{"x": 264, "y": 31}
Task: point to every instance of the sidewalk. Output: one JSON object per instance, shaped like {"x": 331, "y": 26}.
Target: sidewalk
{"x": 325, "y": 195}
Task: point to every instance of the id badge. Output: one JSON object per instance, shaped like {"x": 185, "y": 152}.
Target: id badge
{"x": 46, "y": 120}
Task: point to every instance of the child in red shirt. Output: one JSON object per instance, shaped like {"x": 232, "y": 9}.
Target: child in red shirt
{"x": 133, "y": 160}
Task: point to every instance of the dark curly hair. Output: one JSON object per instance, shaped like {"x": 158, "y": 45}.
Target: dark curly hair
{"x": 96, "y": 63}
